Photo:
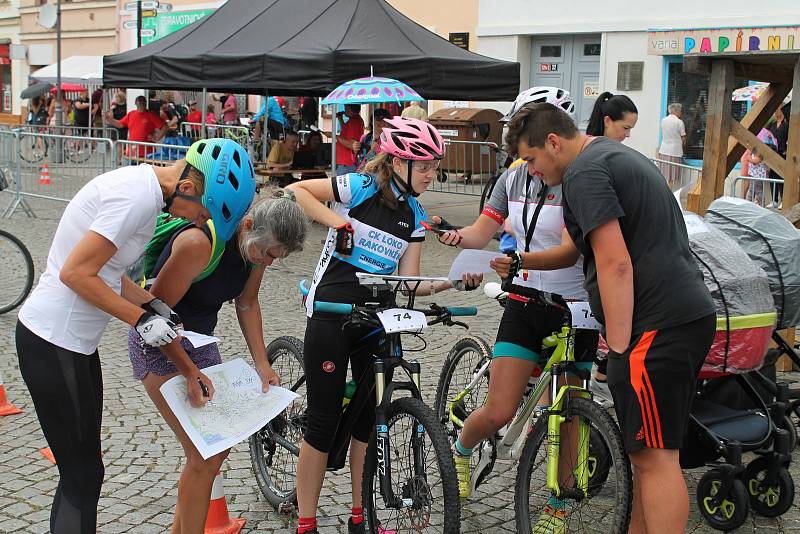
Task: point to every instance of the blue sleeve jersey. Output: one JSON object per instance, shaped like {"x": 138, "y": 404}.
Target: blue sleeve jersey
{"x": 382, "y": 235}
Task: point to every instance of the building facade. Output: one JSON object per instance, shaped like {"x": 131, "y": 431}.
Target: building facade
{"x": 10, "y": 78}
{"x": 632, "y": 48}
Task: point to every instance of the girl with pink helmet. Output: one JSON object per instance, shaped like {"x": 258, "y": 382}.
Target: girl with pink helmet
{"x": 369, "y": 210}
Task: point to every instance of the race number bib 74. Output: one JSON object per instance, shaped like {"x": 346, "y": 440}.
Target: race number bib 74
{"x": 402, "y": 320}
{"x": 582, "y": 316}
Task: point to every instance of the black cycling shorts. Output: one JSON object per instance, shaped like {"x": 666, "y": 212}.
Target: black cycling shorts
{"x": 653, "y": 383}
{"x": 525, "y": 325}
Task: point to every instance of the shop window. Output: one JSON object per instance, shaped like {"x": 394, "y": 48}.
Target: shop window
{"x": 691, "y": 90}
{"x": 591, "y": 49}
{"x": 550, "y": 51}
{"x": 629, "y": 75}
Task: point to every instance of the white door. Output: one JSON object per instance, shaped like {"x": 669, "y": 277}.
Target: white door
{"x": 570, "y": 62}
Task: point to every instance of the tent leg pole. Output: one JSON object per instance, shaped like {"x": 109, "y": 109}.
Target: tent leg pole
{"x": 333, "y": 138}
{"x": 203, "y": 114}
{"x": 264, "y": 128}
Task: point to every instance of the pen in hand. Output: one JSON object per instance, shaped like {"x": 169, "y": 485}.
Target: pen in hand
{"x": 203, "y": 387}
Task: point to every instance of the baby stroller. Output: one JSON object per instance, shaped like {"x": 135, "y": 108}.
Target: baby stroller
{"x": 717, "y": 437}
{"x": 719, "y": 433}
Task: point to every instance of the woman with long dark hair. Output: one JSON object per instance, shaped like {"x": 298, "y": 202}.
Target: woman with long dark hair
{"x": 613, "y": 116}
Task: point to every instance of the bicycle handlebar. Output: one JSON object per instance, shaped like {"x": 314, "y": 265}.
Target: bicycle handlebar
{"x": 340, "y": 308}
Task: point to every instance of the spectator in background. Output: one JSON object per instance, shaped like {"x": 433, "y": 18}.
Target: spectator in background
{"x": 613, "y": 116}
{"x": 369, "y": 141}
{"x": 81, "y": 110}
{"x": 65, "y": 109}
{"x": 394, "y": 109}
{"x": 143, "y": 126}
{"x": 276, "y": 122}
{"x": 281, "y": 157}
{"x": 37, "y": 115}
{"x": 230, "y": 109}
{"x": 673, "y": 139}
{"x": 195, "y": 117}
{"x": 118, "y": 111}
{"x": 415, "y": 111}
{"x": 757, "y": 169}
{"x": 170, "y": 119}
{"x": 347, "y": 143}
{"x": 309, "y": 112}
{"x": 97, "y": 107}
{"x": 780, "y": 129}
{"x": 153, "y": 102}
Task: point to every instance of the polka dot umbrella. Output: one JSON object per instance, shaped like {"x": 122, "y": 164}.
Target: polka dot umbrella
{"x": 750, "y": 93}
{"x": 372, "y": 89}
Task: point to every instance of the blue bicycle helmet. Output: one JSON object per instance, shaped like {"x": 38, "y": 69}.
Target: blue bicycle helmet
{"x": 230, "y": 183}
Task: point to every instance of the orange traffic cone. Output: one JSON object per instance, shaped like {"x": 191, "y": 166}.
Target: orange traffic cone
{"x": 6, "y": 408}
{"x": 47, "y": 453}
{"x": 218, "y": 521}
{"x": 44, "y": 175}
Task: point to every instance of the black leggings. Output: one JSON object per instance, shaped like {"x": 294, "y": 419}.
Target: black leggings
{"x": 67, "y": 391}
{"x": 326, "y": 351}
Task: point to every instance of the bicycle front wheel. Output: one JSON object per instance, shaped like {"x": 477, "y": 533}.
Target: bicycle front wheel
{"x": 421, "y": 470}
{"x": 16, "y": 272}
{"x": 606, "y": 506}
{"x": 274, "y": 462}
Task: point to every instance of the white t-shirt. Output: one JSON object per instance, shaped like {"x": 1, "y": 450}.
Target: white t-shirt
{"x": 122, "y": 206}
{"x": 672, "y": 128}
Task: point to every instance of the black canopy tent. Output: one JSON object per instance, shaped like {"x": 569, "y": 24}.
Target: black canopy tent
{"x": 309, "y": 47}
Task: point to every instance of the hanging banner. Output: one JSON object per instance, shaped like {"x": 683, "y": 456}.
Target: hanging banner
{"x": 715, "y": 41}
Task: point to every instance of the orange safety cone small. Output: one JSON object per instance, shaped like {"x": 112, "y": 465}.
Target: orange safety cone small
{"x": 6, "y": 408}
{"x": 218, "y": 521}
{"x": 47, "y": 453}
{"x": 44, "y": 175}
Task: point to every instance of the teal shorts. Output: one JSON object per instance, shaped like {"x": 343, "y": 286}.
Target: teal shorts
{"x": 525, "y": 325}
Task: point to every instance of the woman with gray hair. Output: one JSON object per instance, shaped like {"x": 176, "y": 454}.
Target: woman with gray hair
{"x": 273, "y": 228}
{"x": 673, "y": 138}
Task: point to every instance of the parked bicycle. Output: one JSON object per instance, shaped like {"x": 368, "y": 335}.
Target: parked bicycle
{"x": 409, "y": 480}
{"x": 35, "y": 148}
{"x": 591, "y": 472}
{"x": 16, "y": 272}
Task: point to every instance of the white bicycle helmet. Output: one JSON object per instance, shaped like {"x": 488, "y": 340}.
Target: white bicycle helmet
{"x": 535, "y": 95}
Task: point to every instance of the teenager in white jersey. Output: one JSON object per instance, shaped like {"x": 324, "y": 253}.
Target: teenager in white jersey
{"x": 547, "y": 260}
{"x": 104, "y": 229}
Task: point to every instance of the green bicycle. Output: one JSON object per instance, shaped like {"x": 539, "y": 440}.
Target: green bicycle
{"x": 572, "y": 452}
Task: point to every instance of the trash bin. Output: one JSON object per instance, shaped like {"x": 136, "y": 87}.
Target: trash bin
{"x": 472, "y": 135}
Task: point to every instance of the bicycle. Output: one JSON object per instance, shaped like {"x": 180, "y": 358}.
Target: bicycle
{"x": 16, "y": 272}
{"x": 600, "y": 470}
{"x": 409, "y": 480}
{"x": 34, "y": 149}
{"x": 488, "y": 187}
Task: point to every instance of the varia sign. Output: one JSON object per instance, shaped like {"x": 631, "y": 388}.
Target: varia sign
{"x": 716, "y": 41}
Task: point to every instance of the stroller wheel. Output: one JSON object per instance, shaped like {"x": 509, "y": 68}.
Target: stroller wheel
{"x": 766, "y": 500}
{"x": 723, "y": 512}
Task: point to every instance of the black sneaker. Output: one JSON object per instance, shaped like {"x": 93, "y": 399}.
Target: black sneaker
{"x": 315, "y": 531}
{"x": 355, "y": 529}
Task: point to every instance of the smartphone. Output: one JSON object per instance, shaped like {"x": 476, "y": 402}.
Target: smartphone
{"x": 438, "y": 228}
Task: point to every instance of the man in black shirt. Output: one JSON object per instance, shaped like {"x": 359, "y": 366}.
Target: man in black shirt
{"x": 81, "y": 113}
{"x": 643, "y": 285}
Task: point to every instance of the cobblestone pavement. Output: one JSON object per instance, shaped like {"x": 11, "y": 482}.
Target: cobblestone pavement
{"x": 142, "y": 457}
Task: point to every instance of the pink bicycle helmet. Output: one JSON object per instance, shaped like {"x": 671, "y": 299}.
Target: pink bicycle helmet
{"x": 411, "y": 139}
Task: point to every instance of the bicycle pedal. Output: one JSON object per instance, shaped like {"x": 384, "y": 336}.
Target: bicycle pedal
{"x": 287, "y": 508}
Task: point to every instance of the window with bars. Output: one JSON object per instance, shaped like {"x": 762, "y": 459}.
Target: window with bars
{"x": 691, "y": 90}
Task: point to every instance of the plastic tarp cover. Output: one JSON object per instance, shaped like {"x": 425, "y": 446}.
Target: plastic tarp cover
{"x": 771, "y": 242}
{"x": 742, "y": 298}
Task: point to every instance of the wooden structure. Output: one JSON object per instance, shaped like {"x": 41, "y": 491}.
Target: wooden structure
{"x": 727, "y": 139}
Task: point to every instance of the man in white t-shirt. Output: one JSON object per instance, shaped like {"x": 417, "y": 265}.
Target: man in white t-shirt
{"x": 673, "y": 138}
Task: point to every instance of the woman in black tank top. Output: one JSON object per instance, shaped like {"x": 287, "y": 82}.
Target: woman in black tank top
{"x": 273, "y": 228}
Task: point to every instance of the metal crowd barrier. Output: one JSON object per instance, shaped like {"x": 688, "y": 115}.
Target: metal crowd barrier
{"x": 240, "y": 134}
{"x": 51, "y": 166}
{"x": 467, "y": 166}
{"x": 159, "y": 154}
{"x": 677, "y": 175}
{"x": 766, "y": 192}
{"x": 105, "y": 132}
